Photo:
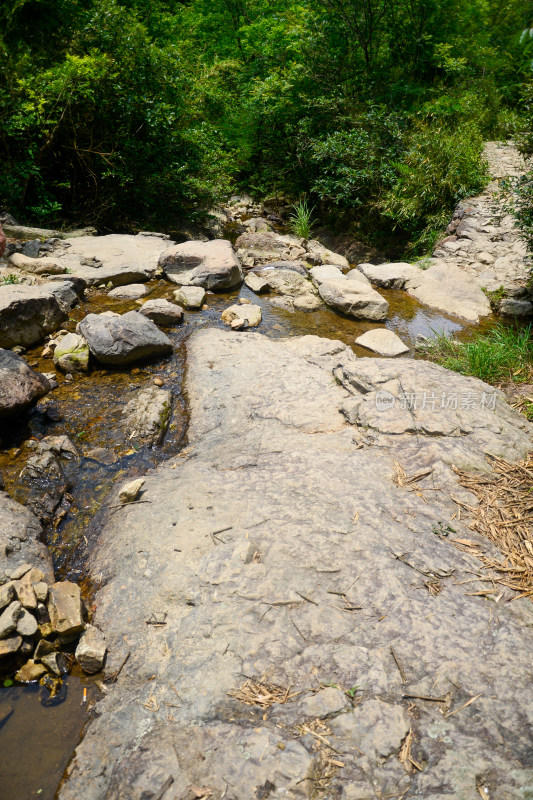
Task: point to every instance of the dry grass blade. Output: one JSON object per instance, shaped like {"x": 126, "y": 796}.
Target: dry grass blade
{"x": 260, "y": 693}
{"x": 405, "y": 757}
{"x": 505, "y": 517}
{"x": 327, "y": 761}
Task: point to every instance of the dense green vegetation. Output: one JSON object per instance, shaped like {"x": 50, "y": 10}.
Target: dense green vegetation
{"x": 143, "y": 112}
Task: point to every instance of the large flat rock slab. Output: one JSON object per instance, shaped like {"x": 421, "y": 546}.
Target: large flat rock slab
{"x": 280, "y": 548}
{"x": 447, "y": 287}
{"x": 117, "y": 258}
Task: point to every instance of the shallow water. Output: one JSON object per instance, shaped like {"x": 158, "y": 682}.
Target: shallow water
{"x": 36, "y": 742}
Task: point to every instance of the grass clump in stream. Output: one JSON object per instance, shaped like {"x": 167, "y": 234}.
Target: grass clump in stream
{"x": 301, "y": 220}
{"x": 503, "y": 354}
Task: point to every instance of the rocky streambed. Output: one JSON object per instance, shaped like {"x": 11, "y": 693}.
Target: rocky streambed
{"x": 273, "y": 593}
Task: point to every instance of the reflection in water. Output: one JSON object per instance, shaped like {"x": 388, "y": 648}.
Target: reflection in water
{"x": 36, "y": 741}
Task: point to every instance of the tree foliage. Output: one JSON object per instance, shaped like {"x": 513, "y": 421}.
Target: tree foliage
{"x": 129, "y": 112}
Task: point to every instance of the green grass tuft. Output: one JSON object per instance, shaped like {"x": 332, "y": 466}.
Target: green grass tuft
{"x": 301, "y": 221}
{"x": 502, "y": 354}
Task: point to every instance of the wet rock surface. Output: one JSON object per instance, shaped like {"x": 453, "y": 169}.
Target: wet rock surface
{"x": 272, "y": 527}
{"x": 147, "y": 414}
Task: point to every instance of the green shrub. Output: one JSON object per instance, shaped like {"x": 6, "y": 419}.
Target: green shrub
{"x": 441, "y": 166}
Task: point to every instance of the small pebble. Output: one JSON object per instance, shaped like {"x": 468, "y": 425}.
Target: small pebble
{"x": 205, "y": 307}
{"x": 244, "y": 301}
{"x": 158, "y": 382}
{"x": 53, "y": 413}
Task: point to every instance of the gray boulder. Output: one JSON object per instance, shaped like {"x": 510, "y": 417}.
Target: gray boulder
{"x": 212, "y": 265}
{"x": 26, "y": 624}
{"x": 7, "y": 594}
{"x": 293, "y": 286}
{"x": 28, "y": 313}
{"x": 20, "y": 385}
{"x": 65, "y": 608}
{"x": 256, "y": 283}
{"x": 190, "y": 297}
{"x": 328, "y": 272}
{"x": 353, "y": 298}
{"x": 511, "y": 307}
{"x": 132, "y": 291}
{"x": 161, "y": 312}
{"x": 20, "y": 534}
{"x": 9, "y": 619}
{"x": 389, "y": 276}
{"x": 118, "y": 340}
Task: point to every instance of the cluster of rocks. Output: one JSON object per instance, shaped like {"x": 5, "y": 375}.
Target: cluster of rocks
{"x": 484, "y": 242}
{"x": 38, "y": 620}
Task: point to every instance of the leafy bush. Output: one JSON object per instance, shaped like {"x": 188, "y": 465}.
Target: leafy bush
{"x": 441, "y": 166}
{"x": 351, "y": 166}
{"x": 119, "y": 122}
